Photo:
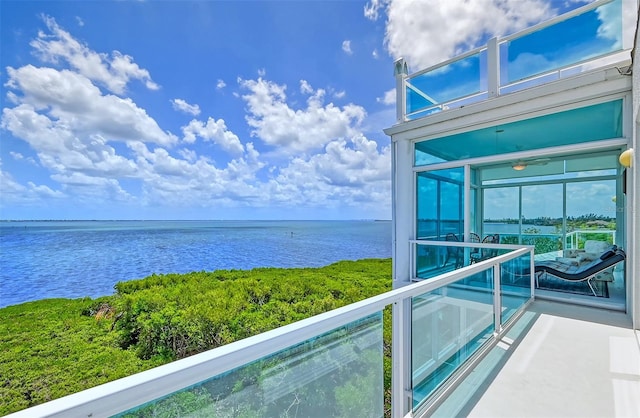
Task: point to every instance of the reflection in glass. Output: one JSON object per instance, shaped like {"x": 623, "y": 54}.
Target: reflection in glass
{"x": 458, "y": 79}
{"x": 575, "y": 40}
{"x": 447, "y": 327}
{"x": 515, "y": 284}
{"x": 336, "y": 374}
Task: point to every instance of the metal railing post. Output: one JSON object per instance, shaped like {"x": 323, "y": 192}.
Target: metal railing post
{"x": 493, "y": 68}
{"x": 497, "y": 300}
{"x": 401, "y": 394}
{"x": 400, "y": 72}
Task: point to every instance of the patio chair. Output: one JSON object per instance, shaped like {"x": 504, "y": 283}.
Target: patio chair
{"x": 583, "y": 272}
{"x": 454, "y": 253}
{"x": 484, "y": 253}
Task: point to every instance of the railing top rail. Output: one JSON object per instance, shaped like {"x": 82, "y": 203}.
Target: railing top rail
{"x": 129, "y": 392}
{"x": 449, "y": 61}
{"x": 473, "y": 244}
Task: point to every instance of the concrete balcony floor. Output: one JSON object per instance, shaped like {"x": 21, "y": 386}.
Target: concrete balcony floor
{"x": 558, "y": 360}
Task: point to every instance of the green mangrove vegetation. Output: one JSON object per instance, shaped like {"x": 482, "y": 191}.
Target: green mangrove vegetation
{"x": 55, "y": 347}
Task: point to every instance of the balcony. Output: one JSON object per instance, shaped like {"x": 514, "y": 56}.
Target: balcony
{"x": 558, "y": 360}
{"x": 470, "y": 341}
{"x": 592, "y": 37}
{"x": 331, "y": 364}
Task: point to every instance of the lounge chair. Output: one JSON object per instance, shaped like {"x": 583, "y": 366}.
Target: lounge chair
{"x": 582, "y": 272}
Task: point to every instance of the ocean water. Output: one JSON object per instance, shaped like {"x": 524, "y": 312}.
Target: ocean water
{"x": 73, "y": 259}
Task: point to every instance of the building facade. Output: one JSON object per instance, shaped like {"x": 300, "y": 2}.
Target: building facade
{"x": 528, "y": 140}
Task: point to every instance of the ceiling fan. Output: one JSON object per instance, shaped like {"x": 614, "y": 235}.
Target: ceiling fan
{"x": 522, "y": 164}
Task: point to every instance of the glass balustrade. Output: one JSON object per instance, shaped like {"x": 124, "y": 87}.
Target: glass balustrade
{"x": 333, "y": 364}
{"x": 428, "y": 91}
{"x": 515, "y": 285}
{"x": 448, "y": 325}
{"x": 594, "y": 37}
{"x": 335, "y": 374}
{"x": 576, "y": 40}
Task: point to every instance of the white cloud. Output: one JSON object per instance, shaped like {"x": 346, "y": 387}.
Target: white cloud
{"x": 375, "y": 54}
{"x": 349, "y": 172}
{"x": 183, "y": 106}
{"x": 73, "y": 103}
{"x": 346, "y": 47}
{"x": 612, "y": 28}
{"x": 220, "y": 84}
{"x": 16, "y": 193}
{"x": 215, "y": 131}
{"x": 79, "y": 21}
{"x": 297, "y": 131}
{"x": 88, "y": 187}
{"x": 372, "y": 9}
{"x": 305, "y": 87}
{"x": 113, "y": 72}
{"x": 428, "y": 32}
{"x": 100, "y": 148}
{"x": 389, "y": 97}
{"x": 19, "y": 157}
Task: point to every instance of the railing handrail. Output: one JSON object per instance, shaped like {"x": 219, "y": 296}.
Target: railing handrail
{"x": 449, "y": 61}
{"x": 132, "y": 391}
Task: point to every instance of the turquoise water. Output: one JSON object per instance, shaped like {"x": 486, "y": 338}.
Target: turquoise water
{"x": 73, "y": 259}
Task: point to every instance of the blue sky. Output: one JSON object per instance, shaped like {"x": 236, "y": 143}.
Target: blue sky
{"x": 217, "y": 109}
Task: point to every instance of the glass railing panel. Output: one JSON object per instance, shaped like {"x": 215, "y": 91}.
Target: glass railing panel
{"x": 339, "y": 373}
{"x": 433, "y": 260}
{"x": 448, "y": 326}
{"x": 515, "y": 285}
{"x": 543, "y": 243}
{"x": 456, "y": 80}
{"x": 584, "y": 37}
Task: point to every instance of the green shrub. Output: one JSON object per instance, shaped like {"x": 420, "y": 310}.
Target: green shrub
{"x": 56, "y": 347}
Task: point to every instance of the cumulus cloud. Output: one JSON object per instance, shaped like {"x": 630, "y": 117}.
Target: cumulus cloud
{"x": 297, "y": 131}
{"x": 114, "y": 72}
{"x": 305, "y": 87}
{"x": 220, "y": 84}
{"x": 16, "y": 193}
{"x": 389, "y": 97}
{"x": 215, "y": 131}
{"x": 346, "y": 47}
{"x": 183, "y": 106}
{"x": 70, "y": 101}
{"x": 100, "y": 147}
{"x": 350, "y": 172}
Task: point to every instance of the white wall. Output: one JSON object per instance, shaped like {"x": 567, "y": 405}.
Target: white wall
{"x": 633, "y": 196}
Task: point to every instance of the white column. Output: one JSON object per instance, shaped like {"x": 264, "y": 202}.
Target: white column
{"x": 493, "y": 68}
{"x": 632, "y": 263}
{"x": 403, "y": 205}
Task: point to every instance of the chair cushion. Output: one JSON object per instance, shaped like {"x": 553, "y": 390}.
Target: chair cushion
{"x": 609, "y": 253}
{"x": 568, "y": 260}
{"x": 595, "y": 246}
{"x": 584, "y": 257}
